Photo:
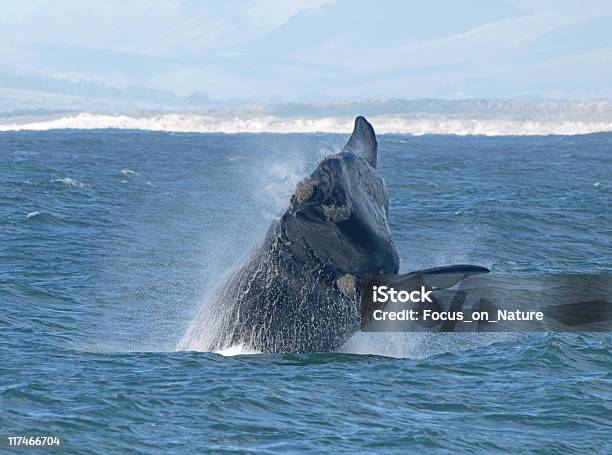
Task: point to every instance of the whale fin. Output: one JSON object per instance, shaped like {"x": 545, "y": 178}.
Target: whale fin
{"x": 431, "y": 279}
{"x": 363, "y": 141}
{"x": 441, "y": 277}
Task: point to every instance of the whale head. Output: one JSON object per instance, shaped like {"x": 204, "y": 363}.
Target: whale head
{"x": 339, "y": 213}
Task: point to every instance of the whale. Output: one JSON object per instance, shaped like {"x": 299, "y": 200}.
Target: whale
{"x": 299, "y": 289}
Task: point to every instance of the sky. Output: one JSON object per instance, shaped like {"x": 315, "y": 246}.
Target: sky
{"x": 189, "y": 54}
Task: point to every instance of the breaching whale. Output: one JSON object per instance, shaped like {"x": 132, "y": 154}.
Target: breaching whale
{"x": 298, "y": 291}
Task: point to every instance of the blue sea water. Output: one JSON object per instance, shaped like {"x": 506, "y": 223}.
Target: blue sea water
{"x": 110, "y": 241}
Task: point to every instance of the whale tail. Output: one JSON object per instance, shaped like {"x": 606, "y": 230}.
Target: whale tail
{"x": 363, "y": 141}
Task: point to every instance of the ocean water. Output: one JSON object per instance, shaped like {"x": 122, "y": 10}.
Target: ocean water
{"x": 110, "y": 241}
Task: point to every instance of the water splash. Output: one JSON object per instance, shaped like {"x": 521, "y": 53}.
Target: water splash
{"x": 419, "y": 345}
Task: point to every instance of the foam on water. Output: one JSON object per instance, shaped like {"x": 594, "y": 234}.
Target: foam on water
{"x": 69, "y": 182}
{"x": 127, "y": 172}
{"x": 239, "y": 349}
{"x": 225, "y": 122}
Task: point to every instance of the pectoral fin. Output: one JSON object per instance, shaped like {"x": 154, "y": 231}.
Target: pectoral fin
{"x": 439, "y": 277}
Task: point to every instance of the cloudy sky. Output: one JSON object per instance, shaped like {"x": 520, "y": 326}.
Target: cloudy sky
{"x": 195, "y": 53}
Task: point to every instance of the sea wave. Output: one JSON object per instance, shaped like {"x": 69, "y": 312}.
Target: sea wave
{"x": 43, "y": 218}
{"x": 127, "y": 172}
{"x": 69, "y": 182}
{"x": 224, "y": 123}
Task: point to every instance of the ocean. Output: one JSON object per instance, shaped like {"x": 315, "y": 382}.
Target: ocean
{"x": 112, "y": 240}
